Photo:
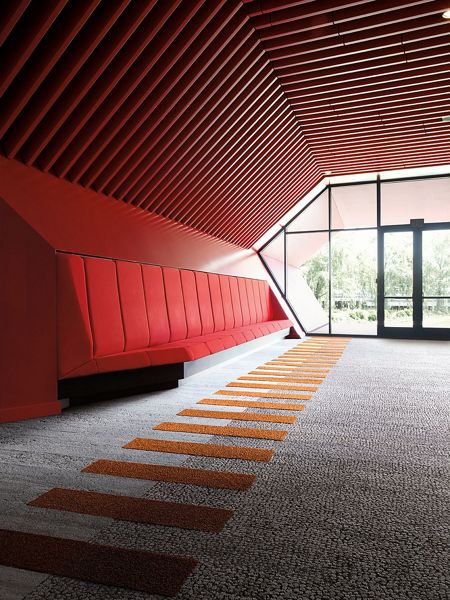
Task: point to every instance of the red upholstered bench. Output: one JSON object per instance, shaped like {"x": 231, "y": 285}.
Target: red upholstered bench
{"x": 116, "y": 315}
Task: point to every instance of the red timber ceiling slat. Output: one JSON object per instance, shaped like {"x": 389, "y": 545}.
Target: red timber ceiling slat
{"x": 222, "y": 114}
{"x": 368, "y": 80}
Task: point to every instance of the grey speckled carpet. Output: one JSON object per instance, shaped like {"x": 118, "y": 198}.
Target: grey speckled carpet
{"x": 353, "y": 506}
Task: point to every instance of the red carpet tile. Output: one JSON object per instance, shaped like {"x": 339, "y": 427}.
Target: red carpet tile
{"x": 149, "y": 572}
{"x": 137, "y": 510}
{"x": 201, "y": 477}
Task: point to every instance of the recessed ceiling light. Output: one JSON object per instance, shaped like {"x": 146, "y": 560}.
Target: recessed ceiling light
{"x": 327, "y": 173}
{"x": 446, "y": 14}
{"x": 446, "y": 119}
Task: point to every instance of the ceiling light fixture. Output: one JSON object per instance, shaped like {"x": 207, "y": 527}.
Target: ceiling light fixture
{"x": 446, "y": 14}
{"x": 446, "y": 119}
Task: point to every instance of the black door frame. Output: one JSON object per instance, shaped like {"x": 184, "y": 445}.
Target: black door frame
{"x": 417, "y": 331}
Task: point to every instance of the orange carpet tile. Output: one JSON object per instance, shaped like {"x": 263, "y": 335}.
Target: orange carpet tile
{"x": 280, "y": 379}
{"x": 252, "y": 404}
{"x": 286, "y": 396}
{"x": 246, "y": 432}
{"x": 237, "y": 416}
{"x": 270, "y": 386}
{"x": 199, "y": 449}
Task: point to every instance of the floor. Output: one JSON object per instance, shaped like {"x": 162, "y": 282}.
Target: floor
{"x": 354, "y": 504}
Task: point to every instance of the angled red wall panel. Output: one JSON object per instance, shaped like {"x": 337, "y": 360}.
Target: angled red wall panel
{"x": 27, "y": 321}
{"x": 74, "y": 219}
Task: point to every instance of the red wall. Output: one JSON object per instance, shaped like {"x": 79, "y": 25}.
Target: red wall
{"x": 39, "y": 214}
{"x": 72, "y": 218}
{"x": 27, "y": 321}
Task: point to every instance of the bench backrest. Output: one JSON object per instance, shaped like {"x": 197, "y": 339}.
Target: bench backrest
{"x": 108, "y": 306}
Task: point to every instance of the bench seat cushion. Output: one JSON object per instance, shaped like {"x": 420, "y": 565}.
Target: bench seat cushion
{"x": 176, "y": 352}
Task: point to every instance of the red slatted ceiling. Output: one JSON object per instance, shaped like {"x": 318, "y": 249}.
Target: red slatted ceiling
{"x": 221, "y": 114}
{"x": 367, "y": 80}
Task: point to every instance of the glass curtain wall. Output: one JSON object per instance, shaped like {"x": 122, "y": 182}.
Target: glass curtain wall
{"x": 360, "y": 258}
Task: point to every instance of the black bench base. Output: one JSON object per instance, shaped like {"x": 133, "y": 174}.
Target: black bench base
{"x": 106, "y": 386}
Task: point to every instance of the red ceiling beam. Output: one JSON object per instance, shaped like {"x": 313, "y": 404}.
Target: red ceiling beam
{"x": 317, "y": 54}
{"x": 225, "y": 73}
{"x": 62, "y": 74}
{"x": 425, "y": 61}
{"x": 158, "y": 93}
{"x": 306, "y": 50}
{"x": 393, "y": 81}
{"x": 126, "y": 147}
{"x": 333, "y": 33}
{"x": 375, "y": 16}
{"x": 303, "y": 11}
{"x": 258, "y": 7}
{"x": 369, "y": 61}
{"x": 43, "y": 60}
{"x": 252, "y": 170}
{"x": 127, "y": 98}
{"x": 132, "y": 60}
{"x": 192, "y": 165}
{"x": 12, "y": 11}
{"x": 375, "y": 102}
{"x": 272, "y": 185}
{"x": 375, "y": 119}
{"x": 28, "y": 34}
{"x": 92, "y": 70}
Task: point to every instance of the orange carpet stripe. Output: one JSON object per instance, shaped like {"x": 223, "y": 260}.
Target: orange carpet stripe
{"x": 300, "y": 365}
{"x": 325, "y": 350}
{"x": 303, "y": 361}
{"x": 329, "y": 342}
{"x": 136, "y": 510}
{"x": 319, "y": 377}
{"x": 302, "y": 353}
{"x": 269, "y": 386}
{"x": 312, "y": 358}
{"x": 237, "y": 416}
{"x": 200, "y": 449}
{"x": 247, "y": 432}
{"x": 252, "y": 404}
{"x": 320, "y": 345}
{"x": 140, "y": 570}
{"x": 281, "y": 379}
{"x": 294, "y": 370}
{"x": 201, "y": 477}
{"x": 305, "y": 357}
{"x": 316, "y": 352}
{"x": 316, "y": 348}
{"x": 265, "y": 395}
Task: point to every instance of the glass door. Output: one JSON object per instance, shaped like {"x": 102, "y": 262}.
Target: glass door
{"x": 414, "y": 282}
{"x": 436, "y": 280}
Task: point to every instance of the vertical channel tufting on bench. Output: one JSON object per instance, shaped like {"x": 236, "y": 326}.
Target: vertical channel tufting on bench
{"x": 132, "y": 301}
{"x": 175, "y": 304}
{"x": 116, "y": 315}
{"x": 155, "y": 299}
{"x": 193, "y": 320}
